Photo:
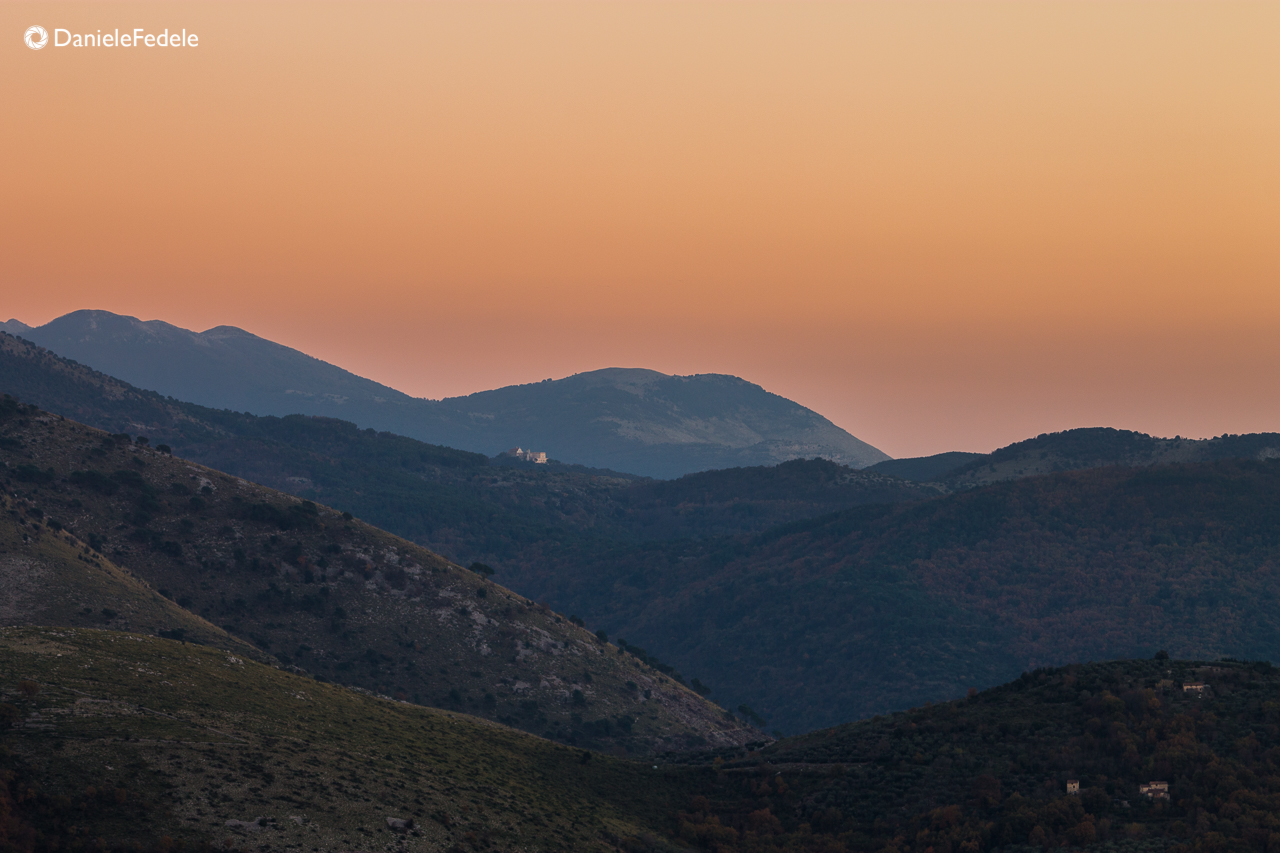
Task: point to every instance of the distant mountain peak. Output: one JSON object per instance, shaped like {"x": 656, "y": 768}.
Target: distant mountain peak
{"x": 224, "y": 332}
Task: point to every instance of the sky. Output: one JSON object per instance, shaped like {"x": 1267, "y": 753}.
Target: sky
{"x": 945, "y": 226}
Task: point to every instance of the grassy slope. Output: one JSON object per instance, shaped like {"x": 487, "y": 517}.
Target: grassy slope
{"x": 343, "y": 599}
{"x": 132, "y": 738}
{"x": 52, "y": 578}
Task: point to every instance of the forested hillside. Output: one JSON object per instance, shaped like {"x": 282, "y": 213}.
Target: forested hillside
{"x": 990, "y": 772}
{"x": 885, "y": 607}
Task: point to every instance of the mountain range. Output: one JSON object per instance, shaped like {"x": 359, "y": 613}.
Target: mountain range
{"x": 811, "y": 592}
{"x": 631, "y": 420}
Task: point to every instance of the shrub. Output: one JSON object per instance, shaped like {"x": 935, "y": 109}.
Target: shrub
{"x": 32, "y": 474}
{"x": 169, "y": 548}
{"x": 129, "y": 479}
{"x": 94, "y": 481}
{"x": 285, "y": 519}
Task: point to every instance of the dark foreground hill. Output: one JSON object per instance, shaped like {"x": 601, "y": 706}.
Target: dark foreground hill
{"x": 333, "y": 596}
{"x": 639, "y": 421}
{"x": 990, "y": 772}
{"x": 128, "y": 742}
{"x": 131, "y": 742}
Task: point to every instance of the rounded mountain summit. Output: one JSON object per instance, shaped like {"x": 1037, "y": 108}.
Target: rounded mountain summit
{"x": 630, "y": 420}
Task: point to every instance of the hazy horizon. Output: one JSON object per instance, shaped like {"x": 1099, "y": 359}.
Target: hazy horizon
{"x": 942, "y": 226}
{"x": 642, "y": 367}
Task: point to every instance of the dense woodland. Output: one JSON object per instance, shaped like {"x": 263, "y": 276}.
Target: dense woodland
{"x": 990, "y": 771}
{"x": 885, "y": 607}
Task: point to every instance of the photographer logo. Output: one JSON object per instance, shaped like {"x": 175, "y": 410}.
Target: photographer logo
{"x": 37, "y": 37}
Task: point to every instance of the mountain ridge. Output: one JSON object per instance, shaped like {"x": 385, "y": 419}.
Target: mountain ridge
{"x": 764, "y": 562}
{"x": 626, "y": 419}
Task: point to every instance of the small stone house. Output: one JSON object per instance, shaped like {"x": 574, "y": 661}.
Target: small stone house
{"x": 1073, "y": 786}
{"x": 1155, "y": 790}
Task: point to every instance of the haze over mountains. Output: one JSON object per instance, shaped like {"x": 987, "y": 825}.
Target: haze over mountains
{"x": 781, "y": 586}
{"x": 632, "y": 420}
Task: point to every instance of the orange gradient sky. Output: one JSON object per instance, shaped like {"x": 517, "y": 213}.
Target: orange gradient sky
{"x": 942, "y": 225}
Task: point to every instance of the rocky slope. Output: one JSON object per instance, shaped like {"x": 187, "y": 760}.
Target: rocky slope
{"x": 340, "y": 599}
{"x": 50, "y": 577}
